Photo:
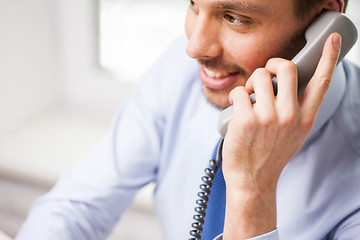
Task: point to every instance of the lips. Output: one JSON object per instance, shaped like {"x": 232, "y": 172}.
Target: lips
{"x": 217, "y": 80}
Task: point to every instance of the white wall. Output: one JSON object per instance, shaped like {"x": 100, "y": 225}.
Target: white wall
{"x": 48, "y": 60}
{"x": 29, "y": 80}
{"x": 85, "y": 84}
{"x": 51, "y": 95}
{"x": 353, "y": 13}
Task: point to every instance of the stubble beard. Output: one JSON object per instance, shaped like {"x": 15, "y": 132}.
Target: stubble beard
{"x": 219, "y": 97}
{"x": 211, "y": 95}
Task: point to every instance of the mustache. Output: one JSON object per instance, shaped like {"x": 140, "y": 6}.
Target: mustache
{"x": 218, "y": 63}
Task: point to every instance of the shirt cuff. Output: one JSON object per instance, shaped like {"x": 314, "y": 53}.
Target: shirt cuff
{"x": 273, "y": 235}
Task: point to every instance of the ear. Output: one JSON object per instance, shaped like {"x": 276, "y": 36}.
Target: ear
{"x": 334, "y": 5}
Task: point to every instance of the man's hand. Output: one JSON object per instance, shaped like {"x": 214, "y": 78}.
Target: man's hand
{"x": 262, "y": 138}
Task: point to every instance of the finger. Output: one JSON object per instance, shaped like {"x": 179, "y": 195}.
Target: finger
{"x": 240, "y": 99}
{"x": 315, "y": 92}
{"x": 260, "y": 83}
{"x": 286, "y": 74}
{"x": 243, "y": 114}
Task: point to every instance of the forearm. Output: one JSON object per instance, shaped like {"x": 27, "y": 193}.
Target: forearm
{"x": 65, "y": 220}
{"x": 249, "y": 214}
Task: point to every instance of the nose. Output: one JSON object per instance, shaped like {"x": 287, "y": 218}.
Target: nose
{"x": 204, "y": 40}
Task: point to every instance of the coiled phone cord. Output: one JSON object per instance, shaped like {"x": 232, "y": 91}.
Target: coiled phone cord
{"x": 205, "y": 187}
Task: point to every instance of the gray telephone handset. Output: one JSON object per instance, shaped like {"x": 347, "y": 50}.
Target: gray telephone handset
{"x": 307, "y": 59}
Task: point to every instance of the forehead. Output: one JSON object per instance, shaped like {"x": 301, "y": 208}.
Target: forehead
{"x": 245, "y": 5}
{"x": 251, "y": 6}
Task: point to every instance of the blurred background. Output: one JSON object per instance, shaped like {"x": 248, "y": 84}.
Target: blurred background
{"x": 65, "y": 66}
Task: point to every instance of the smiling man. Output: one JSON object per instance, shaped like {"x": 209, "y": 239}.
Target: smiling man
{"x": 291, "y": 164}
{"x": 230, "y": 39}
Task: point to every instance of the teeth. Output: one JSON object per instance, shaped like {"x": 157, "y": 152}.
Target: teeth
{"x": 215, "y": 74}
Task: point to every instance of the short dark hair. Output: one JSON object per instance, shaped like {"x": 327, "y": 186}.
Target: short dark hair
{"x": 302, "y": 6}
{"x": 345, "y": 4}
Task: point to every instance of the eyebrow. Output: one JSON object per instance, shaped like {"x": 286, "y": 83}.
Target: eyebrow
{"x": 243, "y": 6}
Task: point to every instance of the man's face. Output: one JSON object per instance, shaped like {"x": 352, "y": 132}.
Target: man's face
{"x": 231, "y": 38}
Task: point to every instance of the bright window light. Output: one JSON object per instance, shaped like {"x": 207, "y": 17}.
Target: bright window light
{"x": 133, "y": 34}
{"x": 353, "y": 13}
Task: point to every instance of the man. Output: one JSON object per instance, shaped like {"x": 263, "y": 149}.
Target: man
{"x": 285, "y": 177}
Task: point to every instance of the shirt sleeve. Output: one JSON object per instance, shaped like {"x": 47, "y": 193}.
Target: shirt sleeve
{"x": 90, "y": 197}
{"x": 273, "y": 235}
{"x": 349, "y": 228}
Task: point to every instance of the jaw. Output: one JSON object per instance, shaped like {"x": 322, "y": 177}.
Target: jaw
{"x": 216, "y": 97}
{"x": 217, "y": 90}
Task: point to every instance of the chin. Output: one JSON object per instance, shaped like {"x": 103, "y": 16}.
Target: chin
{"x": 218, "y": 98}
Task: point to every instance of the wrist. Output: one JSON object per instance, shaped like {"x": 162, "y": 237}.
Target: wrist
{"x": 250, "y": 184}
{"x": 249, "y": 213}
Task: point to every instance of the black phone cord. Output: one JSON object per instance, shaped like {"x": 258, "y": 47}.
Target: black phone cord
{"x": 204, "y": 194}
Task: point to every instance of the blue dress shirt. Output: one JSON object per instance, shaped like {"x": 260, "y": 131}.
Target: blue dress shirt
{"x": 166, "y": 132}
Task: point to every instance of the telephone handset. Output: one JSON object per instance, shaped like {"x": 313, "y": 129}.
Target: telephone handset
{"x": 307, "y": 59}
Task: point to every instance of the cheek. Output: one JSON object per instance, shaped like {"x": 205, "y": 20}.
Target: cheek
{"x": 249, "y": 52}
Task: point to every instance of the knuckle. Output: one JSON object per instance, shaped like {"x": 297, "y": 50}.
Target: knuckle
{"x": 307, "y": 125}
{"x": 325, "y": 82}
{"x": 288, "y": 66}
{"x": 333, "y": 55}
{"x": 243, "y": 123}
{"x": 273, "y": 61}
{"x": 249, "y": 121}
{"x": 242, "y": 90}
{"x": 261, "y": 72}
{"x": 289, "y": 119}
{"x": 267, "y": 120}
{"x": 238, "y": 91}
{"x": 235, "y": 90}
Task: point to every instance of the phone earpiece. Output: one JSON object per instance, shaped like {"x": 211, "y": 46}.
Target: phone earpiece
{"x": 307, "y": 59}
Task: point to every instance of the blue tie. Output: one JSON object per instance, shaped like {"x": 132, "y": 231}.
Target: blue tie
{"x": 215, "y": 213}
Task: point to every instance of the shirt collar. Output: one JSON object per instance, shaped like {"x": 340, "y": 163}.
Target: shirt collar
{"x": 332, "y": 100}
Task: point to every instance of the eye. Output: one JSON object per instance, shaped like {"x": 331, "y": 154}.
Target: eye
{"x": 194, "y": 7}
{"x": 193, "y": 4}
{"x": 235, "y": 20}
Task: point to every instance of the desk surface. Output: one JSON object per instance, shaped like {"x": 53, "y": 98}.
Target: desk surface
{"x": 3, "y": 236}
{"x": 40, "y": 151}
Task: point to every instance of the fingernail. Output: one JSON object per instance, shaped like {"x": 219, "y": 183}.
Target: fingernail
{"x": 336, "y": 41}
